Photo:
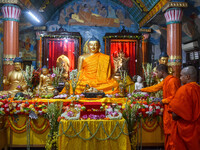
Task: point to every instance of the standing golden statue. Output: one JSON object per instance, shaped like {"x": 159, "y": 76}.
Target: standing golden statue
{"x": 120, "y": 63}
{"x": 95, "y": 70}
{"x": 45, "y": 85}
{"x": 15, "y": 79}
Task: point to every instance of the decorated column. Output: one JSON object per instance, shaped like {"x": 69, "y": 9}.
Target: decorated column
{"x": 144, "y": 48}
{"x": 39, "y": 48}
{"x": 11, "y": 14}
{"x": 173, "y": 15}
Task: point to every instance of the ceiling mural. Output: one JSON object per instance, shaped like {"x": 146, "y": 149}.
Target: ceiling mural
{"x": 94, "y": 13}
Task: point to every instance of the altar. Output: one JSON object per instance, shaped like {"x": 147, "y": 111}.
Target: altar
{"x": 21, "y": 131}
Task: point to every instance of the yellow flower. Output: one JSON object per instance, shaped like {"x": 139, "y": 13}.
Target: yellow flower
{"x": 31, "y": 106}
{"x": 123, "y": 106}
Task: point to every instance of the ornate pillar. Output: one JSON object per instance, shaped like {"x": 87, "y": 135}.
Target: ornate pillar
{"x": 144, "y": 48}
{"x": 173, "y": 15}
{"x": 145, "y": 32}
{"x": 11, "y": 14}
{"x": 39, "y": 49}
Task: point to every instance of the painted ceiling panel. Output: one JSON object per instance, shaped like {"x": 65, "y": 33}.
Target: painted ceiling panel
{"x": 138, "y": 9}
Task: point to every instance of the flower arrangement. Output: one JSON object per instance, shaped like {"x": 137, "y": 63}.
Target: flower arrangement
{"x": 74, "y": 77}
{"x": 53, "y": 113}
{"x": 56, "y": 76}
{"x": 149, "y": 75}
{"x": 28, "y": 75}
{"x": 24, "y": 108}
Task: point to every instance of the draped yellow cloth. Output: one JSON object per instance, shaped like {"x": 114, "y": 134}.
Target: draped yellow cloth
{"x": 93, "y": 135}
{"x": 96, "y": 72}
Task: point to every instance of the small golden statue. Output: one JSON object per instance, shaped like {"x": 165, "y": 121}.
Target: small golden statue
{"x": 63, "y": 62}
{"x": 120, "y": 63}
{"x": 45, "y": 85}
{"x": 15, "y": 79}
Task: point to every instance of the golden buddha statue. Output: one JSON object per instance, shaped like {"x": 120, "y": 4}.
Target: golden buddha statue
{"x": 45, "y": 86}
{"x": 95, "y": 70}
{"x": 15, "y": 79}
{"x": 163, "y": 59}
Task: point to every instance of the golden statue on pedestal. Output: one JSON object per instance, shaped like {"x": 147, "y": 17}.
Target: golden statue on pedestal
{"x": 45, "y": 86}
{"x": 15, "y": 79}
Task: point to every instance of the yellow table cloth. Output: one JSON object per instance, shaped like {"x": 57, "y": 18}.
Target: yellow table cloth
{"x": 93, "y": 135}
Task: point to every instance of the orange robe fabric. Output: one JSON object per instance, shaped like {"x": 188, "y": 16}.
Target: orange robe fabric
{"x": 169, "y": 86}
{"x": 96, "y": 72}
{"x": 186, "y": 104}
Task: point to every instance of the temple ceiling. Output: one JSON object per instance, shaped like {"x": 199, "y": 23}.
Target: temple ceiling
{"x": 141, "y": 11}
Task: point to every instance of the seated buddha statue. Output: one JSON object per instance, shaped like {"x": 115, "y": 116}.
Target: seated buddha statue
{"x": 15, "y": 79}
{"x": 45, "y": 84}
{"x": 95, "y": 70}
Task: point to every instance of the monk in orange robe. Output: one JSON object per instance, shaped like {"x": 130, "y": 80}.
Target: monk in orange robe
{"x": 95, "y": 70}
{"x": 185, "y": 109}
{"x": 169, "y": 85}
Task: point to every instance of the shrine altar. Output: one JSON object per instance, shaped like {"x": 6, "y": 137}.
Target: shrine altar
{"x": 14, "y": 131}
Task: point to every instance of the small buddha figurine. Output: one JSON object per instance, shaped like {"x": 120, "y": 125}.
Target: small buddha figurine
{"x": 139, "y": 85}
{"x": 15, "y": 79}
{"x": 45, "y": 85}
{"x": 95, "y": 70}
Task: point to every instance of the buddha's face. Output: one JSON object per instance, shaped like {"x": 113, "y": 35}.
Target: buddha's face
{"x": 17, "y": 66}
{"x": 163, "y": 60}
{"x": 94, "y": 46}
{"x": 45, "y": 71}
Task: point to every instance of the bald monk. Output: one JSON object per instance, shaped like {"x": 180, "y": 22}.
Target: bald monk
{"x": 95, "y": 70}
{"x": 185, "y": 108}
{"x": 169, "y": 85}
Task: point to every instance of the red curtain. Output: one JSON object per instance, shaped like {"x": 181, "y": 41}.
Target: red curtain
{"x": 128, "y": 47}
{"x": 61, "y": 47}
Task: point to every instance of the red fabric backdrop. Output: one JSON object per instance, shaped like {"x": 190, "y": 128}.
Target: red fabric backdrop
{"x": 59, "y": 47}
{"x": 128, "y": 47}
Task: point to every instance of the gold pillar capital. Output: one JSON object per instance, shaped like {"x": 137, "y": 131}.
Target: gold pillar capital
{"x": 174, "y": 4}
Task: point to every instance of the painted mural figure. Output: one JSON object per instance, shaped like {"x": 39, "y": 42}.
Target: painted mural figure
{"x": 93, "y": 13}
{"x": 91, "y": 19}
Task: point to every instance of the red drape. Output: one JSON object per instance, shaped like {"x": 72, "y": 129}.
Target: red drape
{"x": 61, "y": 47}
{"x": 128, "y": 47}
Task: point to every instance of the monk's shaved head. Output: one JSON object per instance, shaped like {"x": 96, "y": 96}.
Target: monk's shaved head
{"x": 190, "y": 71}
